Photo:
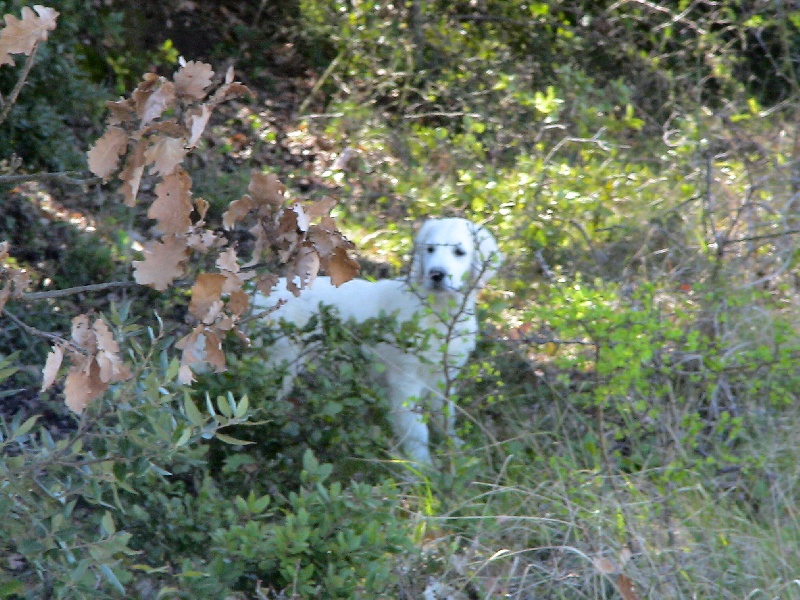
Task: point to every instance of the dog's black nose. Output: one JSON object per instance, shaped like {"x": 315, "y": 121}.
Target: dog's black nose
{"x": 437, "y": 275}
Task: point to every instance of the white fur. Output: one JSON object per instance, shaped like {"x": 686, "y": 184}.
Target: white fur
{"x": 452, "y": 259}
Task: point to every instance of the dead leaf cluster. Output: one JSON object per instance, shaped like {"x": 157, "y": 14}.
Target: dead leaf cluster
{"x": 151, "y": 133}
{"x": 20, "y": 36}
{"x": 303, "y": 236}
{"x": 95, "y": 363}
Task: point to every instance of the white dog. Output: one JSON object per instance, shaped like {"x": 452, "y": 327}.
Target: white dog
{"x": 453, "y": 258}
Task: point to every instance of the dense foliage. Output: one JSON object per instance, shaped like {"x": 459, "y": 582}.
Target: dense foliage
{"x": 629, "y": 416}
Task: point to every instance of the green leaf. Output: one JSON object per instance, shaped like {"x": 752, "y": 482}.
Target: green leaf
{"x": 224, "y": 405}
{"x": 186, "y": 434}
{"x": 242, "y": 407}
{"x": 112, "y": 578}
{"x": 26, "y": 426}
{"x": 231, "y": 440}
{"x": 193, "y": 414}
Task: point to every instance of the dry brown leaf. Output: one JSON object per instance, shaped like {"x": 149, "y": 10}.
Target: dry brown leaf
{"x": 105, "y": 154}
{"x": 111, "y": 367}
{"x": 83, "y": 384}
{"x": 193, "y": 346}
{"x": 51, "y": 366}
{"x": 196, "y": 121}
{"x": 202, "y": 205}
{"x": 206, "y": 291}
{"x": 325, "y": 241}
{"x": 192, "y": 79}
{"x": 320, "y": 208}
{"x": 21, "y": 35}
{"x": 228, "y": 261}
{"x": 239, "y": 302}
{"x": 227, "y": 91}
{"x": 152, "y": 100}
{"x": 203, "y": 240}
{"x": 202, "y": 345}
{"x": 185, "y": 375}
{"x": 215, "y": 356}
{"x": 173, "y": 204}
{"x": 341, "y": 268}
{"x": 265, "y": 188}
{"x": 131, "y": 175}
{"x": 82, "y": 333}
{"x": 302, "y": 272}
{"x": 121, "y": 112}
{"x": 237, "y": 210}
{"x": 626, "y": 588}
{"x": 165, "y": 154}
{"x": 162, "y": 264}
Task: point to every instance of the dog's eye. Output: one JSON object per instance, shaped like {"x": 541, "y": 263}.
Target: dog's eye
{"x": 430, "y": 249}
{"x": 459, "y": 252}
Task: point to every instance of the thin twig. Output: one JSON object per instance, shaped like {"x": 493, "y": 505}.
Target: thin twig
{"x": 56, "y": 339}
{"x": 320, "y": 82}
{"x": 95, "y": 287}
{"x": 23, "y": 75}
{"x": 63, "y": 177}
{"x": 765, "y": 236}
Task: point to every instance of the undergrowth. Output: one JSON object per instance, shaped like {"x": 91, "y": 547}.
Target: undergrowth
{"x": 629, "y": 414}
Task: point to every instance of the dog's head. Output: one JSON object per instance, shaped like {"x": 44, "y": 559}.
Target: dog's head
{"x": 453, "y": 255}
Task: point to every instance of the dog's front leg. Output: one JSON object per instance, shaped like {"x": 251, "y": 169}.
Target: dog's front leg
{"x": 408, "y": 421}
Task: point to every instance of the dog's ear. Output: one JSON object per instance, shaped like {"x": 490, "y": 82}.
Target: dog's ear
{"x": 486, "y": 258}
{"x": 416, "y": 275}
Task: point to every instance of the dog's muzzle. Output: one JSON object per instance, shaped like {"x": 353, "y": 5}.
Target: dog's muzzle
{"x": 438, "y": 279}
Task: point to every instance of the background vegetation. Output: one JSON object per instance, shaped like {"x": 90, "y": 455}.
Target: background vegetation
{"x": 630, "y": 415}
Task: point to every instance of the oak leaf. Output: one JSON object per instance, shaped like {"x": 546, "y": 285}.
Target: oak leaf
{"x": 108, "y": 360}
{"x": 202, "y": 240}
{"x": 173, "y": 204}
{"x": 320, "y": 208}
{"x": 163, "y": 263}
{"x": 237, "y": 210}
{"x": 192, "y": 79}
{"x": 83, "y": 384}
{"x": 265, "y": 188}
{"x": 131, "y": 175}
{"x": 193, "y": 346}
{"x": 239, "y": 302}
{"x": 20, "y": 36}
{"x": 51, "y": 366}
{"x": 196, "y": 121}
{"x": 151, "y": 100}
{"x": 105, "y": 154}
{"x": 82, "y": 333}
{"x": 215, "y": 356}
{"x": 340, "y": 267}
{"x": 302, "y": 272}
{"x": 121, "y": 112}
{"x": 165, "y": 154}
{"x": 206, "y": 292}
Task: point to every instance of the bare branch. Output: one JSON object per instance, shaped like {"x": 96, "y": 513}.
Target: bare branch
{"x": 62, "y": 177}
{"x": 56, "y": 339}
{"x": 95, "y": 287}
{"x": 23, "y": 75}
